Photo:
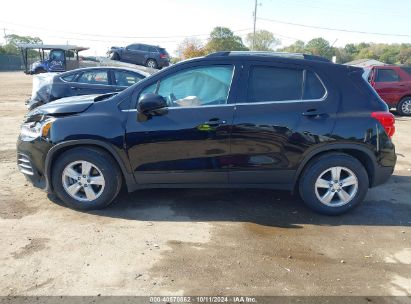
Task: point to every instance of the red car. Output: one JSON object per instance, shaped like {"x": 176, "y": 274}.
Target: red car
{"x": 393, "y": 84}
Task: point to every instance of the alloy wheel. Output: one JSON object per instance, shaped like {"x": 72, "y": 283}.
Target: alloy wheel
{"x": 83, "y": 181}
{"x": 336, "y": 186}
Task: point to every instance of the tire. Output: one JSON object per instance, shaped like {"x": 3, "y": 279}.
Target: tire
{"x": 151, "y": 63}
{"x": 115, "y": 56}
{"x": 404, "y": 106}
{"x": 313, "y": 190}
{"x": 105, "y": 189}
{"x": 39, "y": 71}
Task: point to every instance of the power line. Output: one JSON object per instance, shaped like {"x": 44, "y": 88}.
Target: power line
{"x": 334, "y": 29}
{"x": 114, "y": 36}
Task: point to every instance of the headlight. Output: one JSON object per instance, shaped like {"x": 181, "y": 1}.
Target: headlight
{"x": 34, "y": 129}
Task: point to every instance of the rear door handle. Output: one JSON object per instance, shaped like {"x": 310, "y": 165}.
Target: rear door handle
{"x": 314, "y": 114}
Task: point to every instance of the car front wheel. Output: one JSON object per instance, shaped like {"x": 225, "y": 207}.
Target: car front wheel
{"x": 334, "y": 183}
{"x": 86, "y": 178}
{"x": 404, "y": 107}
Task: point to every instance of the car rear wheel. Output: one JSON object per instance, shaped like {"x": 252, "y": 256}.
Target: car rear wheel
{"x": 151, "y": 63}
{"x": 334, "y": 183}
{"x": 115, "y": 56}
{"x": 404, "y": 107}
{"x": 86, "y": 178}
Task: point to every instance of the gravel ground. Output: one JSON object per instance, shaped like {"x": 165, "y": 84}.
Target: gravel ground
{"x": 198, "y": 242}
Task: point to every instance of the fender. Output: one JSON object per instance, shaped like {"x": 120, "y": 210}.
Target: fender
{"x": 121, "y": 161}
{"x": 332, "y": 148}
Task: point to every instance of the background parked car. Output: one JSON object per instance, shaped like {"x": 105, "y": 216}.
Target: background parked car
{"x": 142, "y": 54}
{"x": 95, "y": 80}
{"x": 393, "y": 84}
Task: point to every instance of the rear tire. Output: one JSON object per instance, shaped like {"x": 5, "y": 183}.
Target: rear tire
{"x": 115, "y": 56}
{"x": 86, "y": 178}
{"x": 151, "y": 63}
{"x": 333, "y": 183}
{"x": 404, "y": 106}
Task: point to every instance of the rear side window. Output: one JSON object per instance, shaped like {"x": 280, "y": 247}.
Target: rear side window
{"x": 407, "y": 69}
{"x": 387, "y": 75}
{"x": 282, "y": 84}
{"x": 94, "y": 77}
{"x": 313, "y": 87}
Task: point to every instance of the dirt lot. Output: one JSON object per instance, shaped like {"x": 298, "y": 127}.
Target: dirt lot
{"x": 198, "y": 242}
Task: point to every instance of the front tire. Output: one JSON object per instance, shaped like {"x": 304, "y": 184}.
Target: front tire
{"x": 334, "y": 183}
{"x": 86, "y": 178}
{"x": 404, "y": 107}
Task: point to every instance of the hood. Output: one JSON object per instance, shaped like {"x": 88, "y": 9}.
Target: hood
{"x": 64, "y": 106}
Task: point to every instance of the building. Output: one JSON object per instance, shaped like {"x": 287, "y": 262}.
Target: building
{"x": 364, "y": 62}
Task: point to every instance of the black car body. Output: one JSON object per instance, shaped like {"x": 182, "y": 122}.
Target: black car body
{"x": 224, "y": 120}
{"x": 142, "y": 54}
{"x": 96, "y": 80}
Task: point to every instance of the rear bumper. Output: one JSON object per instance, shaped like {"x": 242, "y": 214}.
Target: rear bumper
{"x": 381, "y": 175}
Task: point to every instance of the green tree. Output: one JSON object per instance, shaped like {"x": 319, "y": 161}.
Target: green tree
{"x": 319, "y": 47}
{"x": 296, "y": 47}
{"x": 11, "y": 48}
{"x": 223, "y": 39}
{"x": 263, "y": 41}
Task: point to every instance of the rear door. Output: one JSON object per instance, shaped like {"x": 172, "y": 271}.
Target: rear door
{"x": 281, "y": 111}
{"x": 96, "y": 81}
{"x": 388, "y": 85}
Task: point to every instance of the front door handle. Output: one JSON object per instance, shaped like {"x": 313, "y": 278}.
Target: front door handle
{"x": 215, "y": 122}
{"x": 75, "y": 88}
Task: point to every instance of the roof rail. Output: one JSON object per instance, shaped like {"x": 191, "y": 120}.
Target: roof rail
{"x": 272, "y": 54}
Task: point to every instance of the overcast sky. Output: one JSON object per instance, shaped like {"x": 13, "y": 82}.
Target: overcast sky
{"x": 101, "y": 24}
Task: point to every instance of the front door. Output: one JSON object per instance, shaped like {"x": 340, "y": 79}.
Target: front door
{"x": 281, "y": 111}
{"x": 188, "y": 143}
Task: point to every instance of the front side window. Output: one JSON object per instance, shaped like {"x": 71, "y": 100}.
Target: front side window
{"x": 124, "y": 78}
{"x": 387, "y": 75}
{"x": 94, "y": 77}
{"x": 134, "y": 47}
{"x": 195, "y": 87}
{"x": 283, "y": 84}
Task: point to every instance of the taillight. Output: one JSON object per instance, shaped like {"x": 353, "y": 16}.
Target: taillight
{"x": 387, "y": 120}
{"x": 163, "y": 56}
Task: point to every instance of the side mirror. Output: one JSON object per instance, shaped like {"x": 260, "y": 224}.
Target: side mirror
{"x": 149, "y": 103}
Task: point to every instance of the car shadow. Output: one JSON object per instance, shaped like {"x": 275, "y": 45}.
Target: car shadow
{"x": 263, "y": 207}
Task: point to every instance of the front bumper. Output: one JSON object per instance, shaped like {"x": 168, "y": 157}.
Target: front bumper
{"x": 31, "y": 161}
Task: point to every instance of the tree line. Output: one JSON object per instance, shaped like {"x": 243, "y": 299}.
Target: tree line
{"x": 224, "y": 39}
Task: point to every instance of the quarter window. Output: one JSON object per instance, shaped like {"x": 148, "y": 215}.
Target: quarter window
{"x": 282, "y": 84}
{"x": 195, "y": 87}
{"x": 69, "y": 78}
{"x": 387, "y": 75}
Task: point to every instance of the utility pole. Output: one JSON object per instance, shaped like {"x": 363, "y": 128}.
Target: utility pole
{"x": 255, "y": 21}
{"x": 5, "y": 35}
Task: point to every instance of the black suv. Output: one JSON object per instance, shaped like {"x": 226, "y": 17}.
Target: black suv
{"x": 227, "y": 120}
{"x": 142, "y": 54}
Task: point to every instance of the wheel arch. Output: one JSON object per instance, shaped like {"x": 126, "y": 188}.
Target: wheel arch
{"x": 60, "y": 148}
{"x": 362, "y": 154}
